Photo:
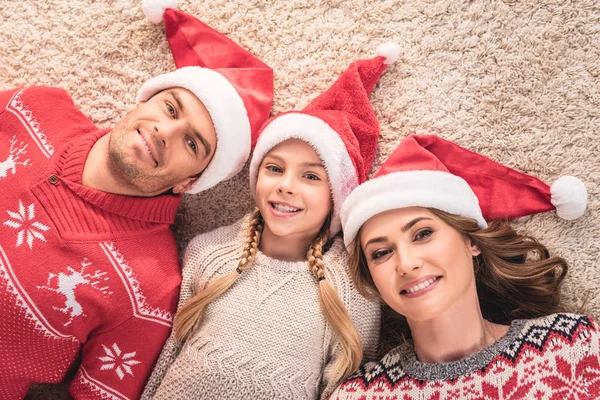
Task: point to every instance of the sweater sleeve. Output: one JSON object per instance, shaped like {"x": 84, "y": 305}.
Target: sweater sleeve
{"x": 365, "y": 315}
{"x": 115, "y": 364}
{"x": 589, "y": 366}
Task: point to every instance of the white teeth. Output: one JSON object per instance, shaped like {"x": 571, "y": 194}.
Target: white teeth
{"x": 420, "y": 286}
{"x": 281, "y": 207}
{"x": 149, "y": 151}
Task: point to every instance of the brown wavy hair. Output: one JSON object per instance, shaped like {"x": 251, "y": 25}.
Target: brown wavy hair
{"x": 189, "y": 316}
{"x": 515, "y": 275}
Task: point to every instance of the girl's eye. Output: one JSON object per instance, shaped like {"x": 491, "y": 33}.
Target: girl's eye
{"x": 312, "y": 177}
{"x": 171, "y": 110}
{"x": 423, "y": 234}
{"x": 377, "y": 254}
{"x": 192, "y": 145}
{"x": 273, "y": 168}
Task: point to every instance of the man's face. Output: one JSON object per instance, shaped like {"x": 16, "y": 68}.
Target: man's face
{"x": 162, "y": 143}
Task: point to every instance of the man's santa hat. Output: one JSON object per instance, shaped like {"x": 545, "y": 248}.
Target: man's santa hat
{"x": 428, "y": 171}
{"x": 339, "y": 124}
{"x": 235, "y": 87}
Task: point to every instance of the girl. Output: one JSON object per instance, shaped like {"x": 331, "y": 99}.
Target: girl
{"x": 478, "y": 301}
{"x": 267, "y": 305}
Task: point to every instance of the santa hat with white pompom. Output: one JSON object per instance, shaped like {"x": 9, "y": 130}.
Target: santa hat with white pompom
{"x": 428, "y": 171}
{"x": 340, "y": 124}
{"x": 235, "y": 86}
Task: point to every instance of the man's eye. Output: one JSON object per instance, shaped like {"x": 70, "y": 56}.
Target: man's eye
{"x": 171, "y": 110}
{"x": 192, "y": 145}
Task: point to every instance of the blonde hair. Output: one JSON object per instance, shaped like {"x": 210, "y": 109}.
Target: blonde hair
{"x": 190, "y": 315}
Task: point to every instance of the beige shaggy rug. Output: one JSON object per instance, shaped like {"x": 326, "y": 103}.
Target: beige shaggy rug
{"x": 518, "y": 81}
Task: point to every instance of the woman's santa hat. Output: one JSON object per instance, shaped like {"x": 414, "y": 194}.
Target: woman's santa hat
{"x": 339, "y": 124}
{"x": 428, "y": 171}
{"x": 235, "y": 87}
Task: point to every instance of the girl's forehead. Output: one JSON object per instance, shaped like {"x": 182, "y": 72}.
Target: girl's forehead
{"x": 295, "y": 149}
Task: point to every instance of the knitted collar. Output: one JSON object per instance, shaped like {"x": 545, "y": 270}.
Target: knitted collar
{"x": 451, "y": 370}
{"x": 71, "y": 160}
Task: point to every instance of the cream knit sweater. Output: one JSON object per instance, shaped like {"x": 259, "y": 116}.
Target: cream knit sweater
{"x": 266, "y": 337}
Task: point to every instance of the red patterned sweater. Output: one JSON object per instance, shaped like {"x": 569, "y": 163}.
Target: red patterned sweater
{"x": 554, "y": 357}
{"x": 82, "y": 272}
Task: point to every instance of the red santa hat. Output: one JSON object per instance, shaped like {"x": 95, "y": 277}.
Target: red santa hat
{"x": 428, "y": 171}
{"x": 339, "y": 124}
{"x": 235, "y": 87}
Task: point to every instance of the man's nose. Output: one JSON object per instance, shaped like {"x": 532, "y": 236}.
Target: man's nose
{"x": 165, "y": 131}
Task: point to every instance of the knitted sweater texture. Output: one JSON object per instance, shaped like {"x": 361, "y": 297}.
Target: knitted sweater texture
{"x": 83, "y": 273}
{"x": 266, "y": 337}
{"x": 553, "y": 357}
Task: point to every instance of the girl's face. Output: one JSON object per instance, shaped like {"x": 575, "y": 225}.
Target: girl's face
{"x": 292, "y": 191}
{"x": 420, "y": 265}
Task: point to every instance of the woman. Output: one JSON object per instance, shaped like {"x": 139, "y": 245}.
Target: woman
{"x": 479, "y": 302}
{"x": 267, "y": 308}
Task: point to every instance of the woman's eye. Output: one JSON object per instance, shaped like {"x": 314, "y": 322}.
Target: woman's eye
{"x": 273, "y": 168}
{"x": 379, "y": 254}
{"x": 171, "y": 110}
{"x": 312, "y": 177}
{"x": 423, "y": 234}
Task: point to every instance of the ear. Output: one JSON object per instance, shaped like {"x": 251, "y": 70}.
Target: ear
{"x": 474, "y": 249}
{"x": 184, "y": 186}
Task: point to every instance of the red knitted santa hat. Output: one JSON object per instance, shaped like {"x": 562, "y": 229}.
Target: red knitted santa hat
{"x": 339, "y": 124}
{"x": 235, "y": 87}
{"x": 428, "y": 171}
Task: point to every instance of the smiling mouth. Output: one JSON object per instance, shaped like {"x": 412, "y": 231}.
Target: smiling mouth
{"x": 421, "y": 286}
{"x": 148, "y": 148}
{"x": 283, "y": 208}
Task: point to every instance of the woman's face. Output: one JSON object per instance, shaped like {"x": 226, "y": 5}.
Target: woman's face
{"x": 420, "y": 265}
{"x": 292, "y": 191}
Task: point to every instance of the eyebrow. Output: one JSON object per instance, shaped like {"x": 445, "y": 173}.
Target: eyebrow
{"x": 382, "y": 239}
{"x": 304, "y": 164}
{"x": 201, "y": 138}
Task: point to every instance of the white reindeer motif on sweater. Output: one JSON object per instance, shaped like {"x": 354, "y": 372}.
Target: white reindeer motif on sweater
{"x": 66, "y": 284}
{"x": 14, "y": 154}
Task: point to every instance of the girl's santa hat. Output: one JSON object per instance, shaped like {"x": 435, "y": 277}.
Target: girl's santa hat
{"x": 339, "y": 124}
{"x": 428, "y": 171}
{"x": 235, "y": 87}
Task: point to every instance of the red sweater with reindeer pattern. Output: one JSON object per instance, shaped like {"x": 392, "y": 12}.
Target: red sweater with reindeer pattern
{"x": 83, "y": 273}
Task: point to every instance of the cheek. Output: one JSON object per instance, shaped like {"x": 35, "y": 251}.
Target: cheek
{"x": 321, "y": 196}
{"x": 262, "y": 188}
{"x": 382, "y": 276}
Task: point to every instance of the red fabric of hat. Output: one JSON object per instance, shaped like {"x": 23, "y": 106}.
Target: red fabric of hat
{"x": 340, "y": 124}
{"x": 428, "y": 171}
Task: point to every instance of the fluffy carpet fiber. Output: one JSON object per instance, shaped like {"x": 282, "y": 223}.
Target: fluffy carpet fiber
{"x": 518, "y": 81}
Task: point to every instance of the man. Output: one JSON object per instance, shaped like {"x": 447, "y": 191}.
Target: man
{"x": 88, "y": 264}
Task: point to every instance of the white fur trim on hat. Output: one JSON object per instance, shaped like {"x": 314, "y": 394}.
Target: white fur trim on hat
{"x": 154, "y": 9}
{"x": 433, "y": 189}
{"x": 326, "y": 142}
{"x": 228, "y": 114}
